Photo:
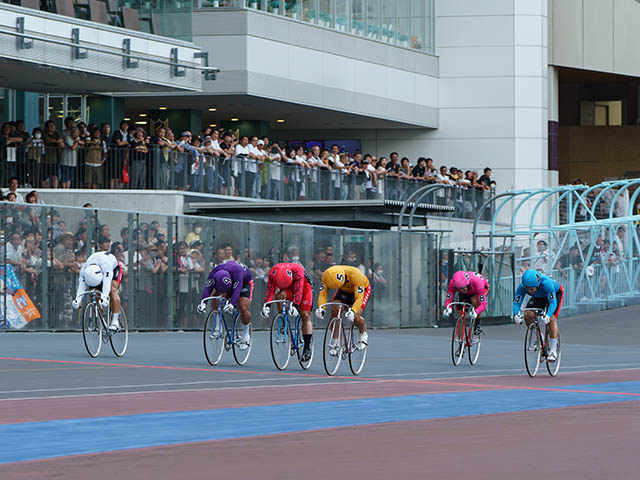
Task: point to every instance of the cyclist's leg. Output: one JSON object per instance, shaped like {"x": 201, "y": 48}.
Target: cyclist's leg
{"x": 554, "y": 331}
{"x": 244, "y": 302}
{"x": 282, "y": 295}
{"x": 305, "y": 315}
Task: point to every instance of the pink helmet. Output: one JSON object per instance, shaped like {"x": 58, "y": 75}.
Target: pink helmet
{"x": 283, "y": 277}
{"x": 460, "y": 280}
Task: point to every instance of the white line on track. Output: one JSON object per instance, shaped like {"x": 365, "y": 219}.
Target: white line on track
{"x": 480, "y": 372}
{"x": 191, "y": 390}
{"x": 106, "y": 387}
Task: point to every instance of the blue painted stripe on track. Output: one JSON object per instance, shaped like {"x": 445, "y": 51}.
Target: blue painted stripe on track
{"x": 56, "y": 438}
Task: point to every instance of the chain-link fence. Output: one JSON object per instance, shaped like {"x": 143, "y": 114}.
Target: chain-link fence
{"x": 166, "y": 260}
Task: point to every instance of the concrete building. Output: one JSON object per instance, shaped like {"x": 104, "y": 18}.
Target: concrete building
{"x": 542, "y": 91}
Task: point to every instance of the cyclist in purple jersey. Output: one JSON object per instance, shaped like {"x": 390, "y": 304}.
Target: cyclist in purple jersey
{"x": 234, "y": 281}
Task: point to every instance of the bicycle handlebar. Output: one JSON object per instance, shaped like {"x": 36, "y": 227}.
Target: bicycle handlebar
{"x": 217, "y": 297}
{"x": 339, "y": 304}
{"x": 538, "y": 311}
{"x": 91, "y": 292}
{"x": 285, "y": 302}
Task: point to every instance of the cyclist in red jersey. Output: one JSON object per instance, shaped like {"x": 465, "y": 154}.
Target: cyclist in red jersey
{"x": 289, "y": 281}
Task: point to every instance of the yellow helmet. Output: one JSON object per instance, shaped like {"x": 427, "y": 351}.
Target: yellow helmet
{"x": 334, "y": 277}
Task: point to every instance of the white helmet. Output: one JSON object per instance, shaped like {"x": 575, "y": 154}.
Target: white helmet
{"x": 92, "y": 275}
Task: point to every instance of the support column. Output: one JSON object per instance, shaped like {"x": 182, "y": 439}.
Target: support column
{"x": 553, "y": 112}
{"x": 28, "y": 109}
{"x": 106, "y": 110}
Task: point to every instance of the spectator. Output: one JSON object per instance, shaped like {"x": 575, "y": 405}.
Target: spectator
{"x": 120, "y": 142}
{"x": 194, "y": 234}
{"x": 541, "y": 261}
{"x": 104, "y": 244}
{"x": 8, "y": 152}
{"x": 13, "y": 186}
{"x": 63, "y": 252}
{"x": 12, "y": 251}
{"x": 140, "y": 154}
{"x": 95, "y": 159}
{"x": 379, "y": 282}
{"x": 53, "y": 141}
{"x": 35, "y": 155}
{"x": 405, "y": 168}
{"x": 228, "y": 253}
{"x": 69, "y": 156}
{"x": 485, "y": 179}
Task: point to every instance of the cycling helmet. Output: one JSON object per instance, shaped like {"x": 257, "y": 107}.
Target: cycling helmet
{"x": 222, "y": 281}
{"x": 334, "y": 277}
{"x": 282, "y": 277}
{"x": 531, "y": 279}
{"x": 92, "y": 275}
{"x": 460, "y": 280}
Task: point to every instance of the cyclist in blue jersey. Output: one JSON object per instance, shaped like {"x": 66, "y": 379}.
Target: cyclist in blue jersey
{"x": 545, "y": 292}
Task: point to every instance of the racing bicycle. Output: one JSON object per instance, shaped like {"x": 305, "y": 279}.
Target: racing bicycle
{"x": 464, "y": 336}
{"x": 95, "y": 327}
{"x": 536, "y": 346}
{"x": 286, "y": 337}
{"x": 218, "y": 337}
{"x": 338, "y": 346}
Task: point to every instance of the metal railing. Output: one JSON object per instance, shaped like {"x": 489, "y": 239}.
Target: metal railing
{"x": 166, "y": 262}
{"x": 153, "y": 168}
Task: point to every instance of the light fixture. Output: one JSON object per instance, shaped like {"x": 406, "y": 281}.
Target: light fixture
{"x": 213, "y": 125}
{"x": 142, "y": 115}
{"x": 162, "y": 108}
{"x": 60, "y": 116}
{"x": 126, "y": 119}
{"x": 141, "y": 123}
{"x": 234, "y": 119}
{"x": 280, "y": 120}
{"x": 212, "y": 109}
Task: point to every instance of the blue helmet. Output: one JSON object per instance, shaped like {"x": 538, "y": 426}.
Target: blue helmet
{"x": 222, "y": 281}
{"x": 531, "y": 279}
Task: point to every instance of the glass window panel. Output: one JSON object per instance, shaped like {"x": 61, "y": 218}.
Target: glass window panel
{"x": 404, "y": 23}
{"x": 324, "y": 15}
{"x": 342, "y": 15}
{"x": 417, "y": 23}
{"x": 291, "y": 8}
{"x": 357, "y": 17}
{"x": 309, "y": 13}
{"x": 373, "y": 12}
{"x": 389, "y": 26}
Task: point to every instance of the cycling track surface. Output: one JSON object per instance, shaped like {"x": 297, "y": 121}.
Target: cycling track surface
{"x": 162, "y": 412}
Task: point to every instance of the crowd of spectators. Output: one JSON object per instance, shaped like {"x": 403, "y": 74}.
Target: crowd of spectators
{"x": 216, "y": 161}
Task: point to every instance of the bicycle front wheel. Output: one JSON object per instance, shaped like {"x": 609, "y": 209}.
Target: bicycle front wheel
{"x": 474, "y": 343}
{"x": 357, "y": 355}
{"x": 241, "y": 350}
{"x": 304, "y": 365}
{"x": 280, "y": 341}
{"x": 333, "y": 346}
{"x": 92, "y": 329}
{"x": 120, "y": 338}
{"x": 532, "y": 349}
{"x": 457, "y": 341}
{"x": 213, "y": 337}
{"x": 553, "y": 367}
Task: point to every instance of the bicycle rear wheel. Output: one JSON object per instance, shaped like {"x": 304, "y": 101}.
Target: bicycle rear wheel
{"x": 92, "y": 329}
{"x": 333, "y": 346}
{"x": 304, "y": 365}
{"x": 532, "y": 349}
{"x": 357, "y": 356}
{"x": 241, "y": 351}
{"x": 474, "y": 344}
{"x": 280, "y": 341}
{"x": 553, "y": 367}
{"x": 213, "y": 337}
{"x": 457, "y": 341}
{"x": 120, "y": 338}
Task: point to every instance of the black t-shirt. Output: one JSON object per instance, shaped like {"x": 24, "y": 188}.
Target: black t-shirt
{"x": 484, "y": 179}
{"x": 393, "y": 167}
{"x": 418, "y": 171}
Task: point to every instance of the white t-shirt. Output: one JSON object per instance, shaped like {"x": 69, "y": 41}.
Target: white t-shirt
{"x": 275, "y": 167}
{"x": 336, "y": 174}
{"x": 19, "y": 197}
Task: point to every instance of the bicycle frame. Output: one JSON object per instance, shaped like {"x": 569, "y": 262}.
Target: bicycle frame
{"x": 342, "y": 308}
{"x": 539, "y": 313}
{"x": 466, "y": 328}
{"x": 221, "y": 303}
{"x": 293, "y": 333}
{"x": 95, "y": 295}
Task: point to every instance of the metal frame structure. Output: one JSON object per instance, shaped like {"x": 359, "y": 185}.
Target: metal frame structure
{"x": 598, "y": 220}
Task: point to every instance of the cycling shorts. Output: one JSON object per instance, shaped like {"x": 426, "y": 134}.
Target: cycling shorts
{"x": 350, "y": 298}
{"x": 543, "y": 302}
{"x": 307, "y": 297}
{"x": 247, "y": 290}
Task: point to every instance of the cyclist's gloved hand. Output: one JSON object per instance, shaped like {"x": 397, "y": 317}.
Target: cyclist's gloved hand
{"x": 104, "y": 302}
{"x": 293, "y": 311}
{"x": 517, "y": 318}
{"x": 473, "y": 314}
{"x": 546, "y": 319}
{"x": 228, "y": 308}
{"x": 447, "y": 312}
{"x": 76, "y": 304}
{"x": 266, "y": 310}
{"x": 350, "y": 315}
{"x": 202, "y": 307}
{"x": 319, "y": 313}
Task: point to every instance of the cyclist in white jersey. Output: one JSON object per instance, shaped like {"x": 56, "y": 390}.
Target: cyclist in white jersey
{"x": 102, "y": 271}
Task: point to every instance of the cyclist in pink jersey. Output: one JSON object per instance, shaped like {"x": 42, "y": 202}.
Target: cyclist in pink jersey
{"x": 472, "y": 288}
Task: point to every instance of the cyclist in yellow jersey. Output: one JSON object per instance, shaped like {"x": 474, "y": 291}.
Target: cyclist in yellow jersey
{"x": 352, "y": 288}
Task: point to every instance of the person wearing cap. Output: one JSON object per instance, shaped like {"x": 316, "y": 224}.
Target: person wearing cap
{"x": 289, "y": 281}
{"x": 194, "y": 234}
{"x": 351, "y": 288}
{"x": 102, "y": 271}
{"x": 233, "y": 281}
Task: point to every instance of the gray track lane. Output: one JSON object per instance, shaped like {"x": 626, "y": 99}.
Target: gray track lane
{"x": 603, "y": 341}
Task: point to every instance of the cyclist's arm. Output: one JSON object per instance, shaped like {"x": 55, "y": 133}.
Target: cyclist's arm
{"x": 298, "y": 286}
{"x": 208, "y": 286}
{"x": 106, "y": 283}
{"x": 451, "y": 292}
{"x": 238, "y": 282}
{"x": 271, "y": 290}
{"x": 358, "y": 293}
{"x": 553, "y": 303}
{"x": 517, "y": 301}
{"x": 82, "y": 286}
{"x": 324, "y": 292}
{"x": 482, "y": 302}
